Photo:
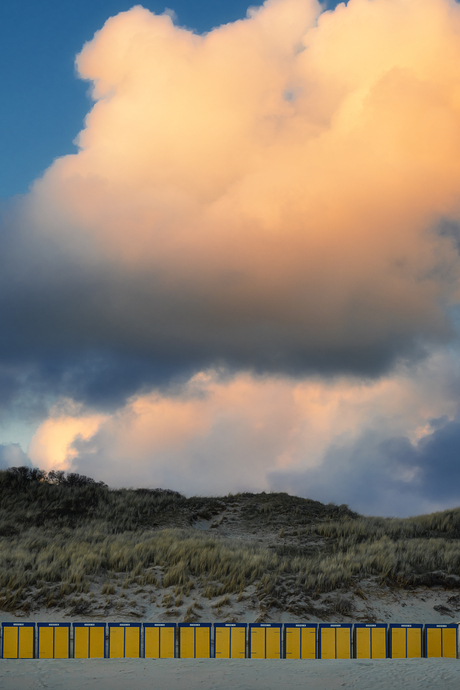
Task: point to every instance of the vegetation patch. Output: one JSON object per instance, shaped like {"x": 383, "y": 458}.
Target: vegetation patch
{"x": 62, "y": 537}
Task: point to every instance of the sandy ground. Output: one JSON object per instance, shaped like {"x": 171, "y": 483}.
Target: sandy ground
{"x": 375, "y": 604}
{"x": 191, "y": 674}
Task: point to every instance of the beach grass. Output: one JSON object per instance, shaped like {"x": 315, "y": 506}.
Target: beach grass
{"x": 62, "y": 535}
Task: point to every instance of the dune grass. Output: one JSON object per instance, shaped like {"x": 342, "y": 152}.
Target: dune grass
{"x": 66, "y": 561}
{"x": 363, "y": 529}
{"x": 61, "y": 535}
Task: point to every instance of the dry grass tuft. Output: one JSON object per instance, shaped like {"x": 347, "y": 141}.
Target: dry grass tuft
{"x": 83, "y": 534}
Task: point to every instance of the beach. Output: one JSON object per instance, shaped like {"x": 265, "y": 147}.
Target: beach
{"x": 212, "y": 674}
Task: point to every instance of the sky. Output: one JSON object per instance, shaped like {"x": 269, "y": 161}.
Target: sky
{"x": 229, "y": 247}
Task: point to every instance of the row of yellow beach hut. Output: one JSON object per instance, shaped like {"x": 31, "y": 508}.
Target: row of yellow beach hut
{"x": 227, "y": 640}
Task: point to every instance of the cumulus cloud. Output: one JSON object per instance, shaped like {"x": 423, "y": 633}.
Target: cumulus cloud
{"x": 378, "y": 446}
{"x": 274, "y": 205}
{"x": 51, "y": 447}
{"x": 12, "y": 455}
{"x": 382, "y": 475}
{"x": 268, "y": 194}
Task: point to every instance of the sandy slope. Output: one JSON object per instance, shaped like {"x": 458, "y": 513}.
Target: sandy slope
{"x": 376, "y": 603}
{"x": 190, "y": 674}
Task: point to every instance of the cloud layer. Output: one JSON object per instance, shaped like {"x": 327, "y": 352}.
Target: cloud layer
{"x": 275, "y": 205}
{"x": 268, "y": 194}
{"x": 385, "y": 447}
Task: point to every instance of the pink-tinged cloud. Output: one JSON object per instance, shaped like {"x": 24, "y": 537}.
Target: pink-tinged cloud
{"x": 51, "y": 446}
{"x": 278, "y": 183}
{"x": 217, "y": 433}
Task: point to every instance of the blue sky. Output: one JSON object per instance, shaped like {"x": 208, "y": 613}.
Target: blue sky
{"x": 44, "y": 104}
{"x": 246, "y": 276}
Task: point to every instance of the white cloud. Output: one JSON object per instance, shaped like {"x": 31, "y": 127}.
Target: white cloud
{"x": 217, "y": 433}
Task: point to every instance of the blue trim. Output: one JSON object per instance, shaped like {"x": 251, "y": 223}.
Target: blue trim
{"x": 89, "y": 625}
{"x": 370, "y": 625}
{"x": 19, "y": 625}
{"x": 161, "y": 625}
{"x": 195, "y": 625}
{"x": 334, "y": 626}
{"x": 265, "y": 625}
{"x": 54, "y": 626}
{"x": 440, "y": 625}
{"x": 302, "y": 626}
{"x": 231, "y": 625}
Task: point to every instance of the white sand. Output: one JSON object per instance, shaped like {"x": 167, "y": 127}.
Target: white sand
{"x": 247, "y": 674}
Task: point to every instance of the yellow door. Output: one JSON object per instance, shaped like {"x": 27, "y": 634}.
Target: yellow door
{"x": 257, "y": 643}
{"x": 363, "y": 643}
{"x": 398, "y": 643}
{"x": 168, "y": 642}
{"x": 343, "y": 643}
{"x": 379, "y": 647}
{"x": 273, "y": 642}
{"x": 132, "y": 640}
{"x": 449, "y": 642}
{"x": 222, "y": 643}
{"x": 45, "y": 643}
{"x": 152, "y": 643}
{"x": 187, "y": 643}
{"x": 117, "y": 643}
{"x": 80, "y": 643}
{"x": 202, "y": 646}
{"x": 293, "y": 643}
{"x": 96, "y": 642}
{"x": 26, "y": 642}
{"x": 327, "y": 643}
{"x": 61, "y": 643}
{"x": 10, "y": 643}
{"x": 308, "y": 643}
{"x": 238, "y": 643}
{"x": 433, "y": 642}
{"x": 414, "y": 642}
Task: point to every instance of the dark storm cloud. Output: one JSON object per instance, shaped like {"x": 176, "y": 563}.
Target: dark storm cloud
{"x": 438, "y": 456}
{"x": 73, "y": 330}
{"x": 449, "y": 227}
{"x": 92, "y": 330}
{"x": 9, "y": 387}
{"x": 386, "y": 477}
